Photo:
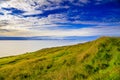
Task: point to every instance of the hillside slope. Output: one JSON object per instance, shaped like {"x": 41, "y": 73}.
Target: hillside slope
{"x": 95, "y": 60}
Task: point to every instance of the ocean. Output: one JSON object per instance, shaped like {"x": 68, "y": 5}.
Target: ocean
{"x": 16, "y": 47}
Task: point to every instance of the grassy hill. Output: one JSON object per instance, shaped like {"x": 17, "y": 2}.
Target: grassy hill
{"x": 95, "y": 60}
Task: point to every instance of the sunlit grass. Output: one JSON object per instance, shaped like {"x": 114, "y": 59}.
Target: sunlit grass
{"x": 96, "y": 60}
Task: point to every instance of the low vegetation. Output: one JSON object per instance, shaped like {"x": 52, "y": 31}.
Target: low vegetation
{"x": 95, "y": 60}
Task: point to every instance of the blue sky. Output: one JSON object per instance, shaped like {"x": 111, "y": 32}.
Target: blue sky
{"x": 60, "y": 18}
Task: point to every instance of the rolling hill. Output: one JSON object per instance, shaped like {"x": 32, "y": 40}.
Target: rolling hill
{"x": 94, "y": 60}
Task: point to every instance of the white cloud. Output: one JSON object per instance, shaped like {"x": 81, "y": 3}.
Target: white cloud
{"x": 95, "y": 31}
{"x": 90, "y": 31}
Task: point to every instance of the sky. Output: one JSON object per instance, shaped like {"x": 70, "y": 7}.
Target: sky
{"x": 60, "y": 18}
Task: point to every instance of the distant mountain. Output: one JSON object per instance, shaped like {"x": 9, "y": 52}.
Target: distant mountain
{"x": 94, "y": 60}
{"x": 13, "y": 38}
{"x": 48, "y": 38}
{"x": 28, "y": 38}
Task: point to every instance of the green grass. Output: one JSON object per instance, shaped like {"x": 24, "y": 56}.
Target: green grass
{"x": 95, "y": 60}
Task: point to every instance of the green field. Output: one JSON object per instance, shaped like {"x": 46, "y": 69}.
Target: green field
{"x": 95, "y": 60}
